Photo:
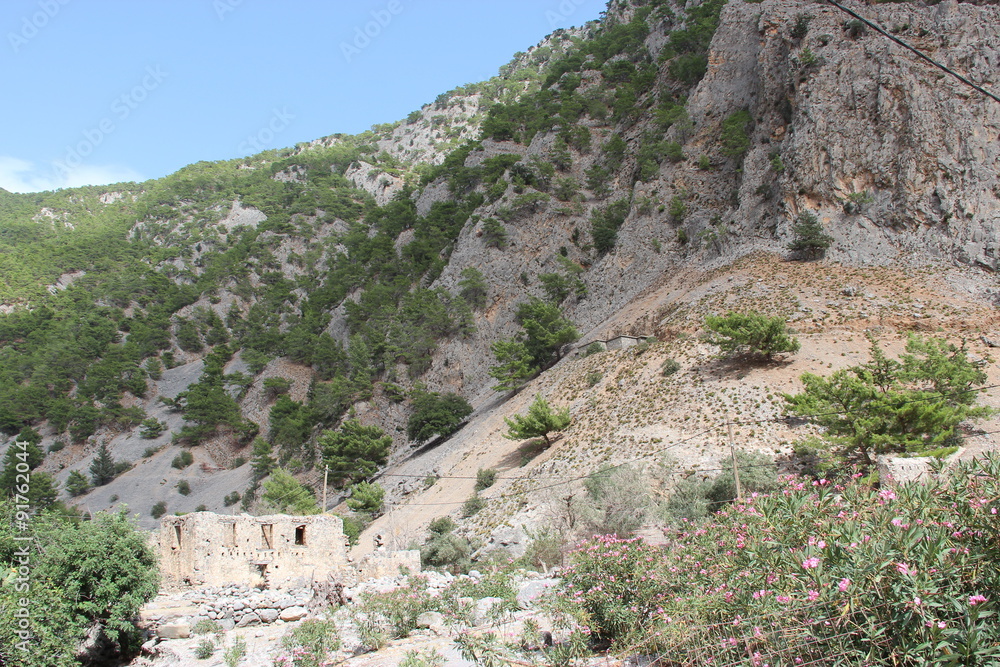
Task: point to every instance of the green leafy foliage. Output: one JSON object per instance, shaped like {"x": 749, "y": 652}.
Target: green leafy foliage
{"x": 82, "y": 572}
{"x": 158, "y": 509}
{"x": 605, "y": 223}
{"x": 750, "y": 334}
{"x": 473, "y": 287}
{"x": 354, "y": 452}
{"x": 77, "y": 484}
{"x": 102, "y": 468}
{"x": 283, "y": 494}
{"x": 182, "y": 460}
{"x": 313, "y": 643}
{"x": 536, "y": 348}
{"x": 445, "y": 549}
{"x": 538, "y": 422}
{"x": 485, "y": 478}
{"x": 886, "y": 405}
{"x": 895, "y": 575}
{"x": 618, "y": 498}
{"x": 436, "y": 414}
{"x": 734, "y": 138}
{"x": 366, "y": 498}
{"x": 809, "y": 239}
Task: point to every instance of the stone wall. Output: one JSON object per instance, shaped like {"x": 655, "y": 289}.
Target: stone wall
{"x": 275, "y": 551}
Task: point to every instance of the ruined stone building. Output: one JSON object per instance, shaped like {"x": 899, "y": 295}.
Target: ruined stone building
{"x": 203, "y": 548}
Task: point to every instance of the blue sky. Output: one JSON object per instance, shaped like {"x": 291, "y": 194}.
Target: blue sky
{"x": 100, "y": 91}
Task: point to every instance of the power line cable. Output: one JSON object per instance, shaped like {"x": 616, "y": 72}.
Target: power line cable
{"x": 914, "y": 50}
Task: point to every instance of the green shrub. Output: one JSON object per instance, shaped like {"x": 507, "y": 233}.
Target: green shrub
{"x": 618, "y": 500}
{"x": 734, "y": 138}
{"x": 436, "y": 414}
{"x": 593, "y": 377}
{"x": 593, "y": 348}
{"x": 313, "y": 643}
{"x": 444, "y": 549}
{"x": 85, "y": 575}
{"x": 473, "y": 505}
{"x": 431, "y": 658}
{"x": 183, "y": 487}
{"x": 182, "y": 460}
{"x": 277, "y": 386}
{"x": 891, "y": 575}
{"x": 485, "y": 478}
{"x": 366, "y": 498}
{"x": 158, "y": 510}
{"x": 152, "y": 428}
{"x": 750, "y": 334}
{"x": 205, "y": 649}
{"x": 801, "y": 27}
{"x": 678, "y": 209}
{"x": 235, "y": 653}
{"x": 669, "y": 367}
{"x": 207, "y": 626}
{"x": 231, "y": 498}
{"x": 76, "y": 484}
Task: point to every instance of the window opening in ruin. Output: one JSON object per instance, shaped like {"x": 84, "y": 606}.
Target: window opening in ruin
{"x": 300, "y": 536}
{"x": 266, "y": 532}
{"x": 229, "y": 535}
{"x": 177, "y": 536}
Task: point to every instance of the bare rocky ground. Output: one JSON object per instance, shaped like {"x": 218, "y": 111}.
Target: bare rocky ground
{"x": 624, "y": 409}
{"x": 171, "y": 617}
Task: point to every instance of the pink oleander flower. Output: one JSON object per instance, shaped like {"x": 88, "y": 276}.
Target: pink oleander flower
{"x": 844, "y": 584}
{"x": 810, "y": 563}
{"x": 976, "y": 599}
{"x": 917, "y": 602}
{"x": 784, "y": 599}
{"x": 813, "y": 595}
{"x": 903, "y": 568}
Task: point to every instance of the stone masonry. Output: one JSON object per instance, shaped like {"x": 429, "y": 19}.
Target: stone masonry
{"x": 206, "y": 549}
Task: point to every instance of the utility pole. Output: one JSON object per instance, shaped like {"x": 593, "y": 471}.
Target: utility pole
{"x": 732, "y": 452}
{"x": 326, "y": 474}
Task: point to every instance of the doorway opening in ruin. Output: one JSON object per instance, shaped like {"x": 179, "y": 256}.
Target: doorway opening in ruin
{"x": 300, "y": 536}
{"x": 177, "y": 537}
{"x": 267, "y": 535}
{"x": 229, "y": 535}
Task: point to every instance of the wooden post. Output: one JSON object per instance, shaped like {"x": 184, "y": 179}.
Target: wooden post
{"x": 736, "y": 468}
{"x": 326, "y": 473}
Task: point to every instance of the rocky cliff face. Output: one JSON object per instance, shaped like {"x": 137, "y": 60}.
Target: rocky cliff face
{"x": 898, "y": 160}
{"x": 853, "y": 115}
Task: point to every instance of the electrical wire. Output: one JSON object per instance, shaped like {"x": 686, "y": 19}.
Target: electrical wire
{"x": 914, "y": 50}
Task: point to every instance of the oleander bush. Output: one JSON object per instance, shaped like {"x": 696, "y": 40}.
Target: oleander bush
{"x": 841, "y": 574}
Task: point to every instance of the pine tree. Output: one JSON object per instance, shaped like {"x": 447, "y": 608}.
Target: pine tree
{"x": 102, "y": 468}
{"x": 76, "y": 484}
{"x": 810, "y": 240}
{"x": 285, "y": 494}
{"x": 538, "y": 423}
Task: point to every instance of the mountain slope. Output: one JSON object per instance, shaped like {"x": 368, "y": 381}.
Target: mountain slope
{"x": 651, "y": 165}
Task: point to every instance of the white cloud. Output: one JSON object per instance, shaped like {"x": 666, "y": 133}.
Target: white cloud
{"x": 17, "y": 175}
